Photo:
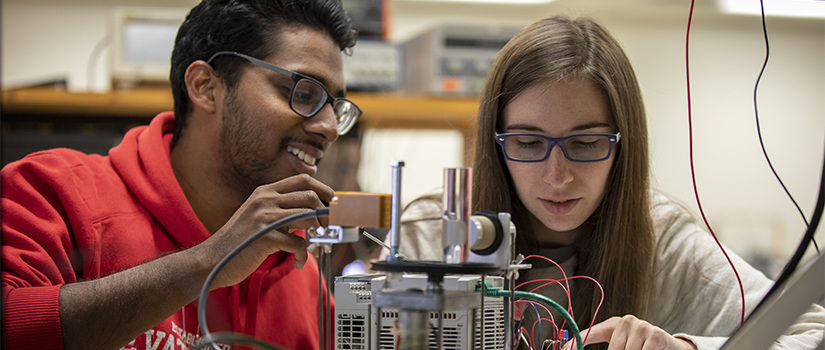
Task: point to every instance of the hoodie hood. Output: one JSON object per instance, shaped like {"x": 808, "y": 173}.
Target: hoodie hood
{"x": 148, "y": 176}
{"x": 274, "y": 291}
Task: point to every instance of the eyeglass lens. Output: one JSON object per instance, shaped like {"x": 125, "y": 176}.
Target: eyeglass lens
{"x": 308, "y": 97}
{"x": 346, "y": 114}
{"x": 534, "y": 147}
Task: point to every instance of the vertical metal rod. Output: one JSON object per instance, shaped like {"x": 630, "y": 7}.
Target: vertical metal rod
{"x": 320, "y": 297}
{"x": 413, "y": 330}
{"x": 395, "y": 228}
{"x": 435, "y": 288}
{"x": 483, "y": 316}
{"x": 325, "y": 317}
{"x": 457, "y": 202}
{"x": 329, "y": 317}
{"x": 509, "y": 312}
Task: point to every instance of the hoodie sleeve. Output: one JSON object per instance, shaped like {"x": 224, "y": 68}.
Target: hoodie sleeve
{"x": 39, "y": 254}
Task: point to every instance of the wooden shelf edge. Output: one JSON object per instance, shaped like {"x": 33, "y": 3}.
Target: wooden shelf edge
{"x": 380, "y": 110}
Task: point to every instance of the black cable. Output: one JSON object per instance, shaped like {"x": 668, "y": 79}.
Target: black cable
{"x": 759, "y": 130}
{"x": 803, "y": 246}
{"x": 207, "y": 336}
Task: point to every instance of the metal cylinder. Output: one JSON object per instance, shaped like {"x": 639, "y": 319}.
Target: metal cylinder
{"x": 395, "y": 228}
{"x": 413, "y": 330}
{"x": 457, "y": 202}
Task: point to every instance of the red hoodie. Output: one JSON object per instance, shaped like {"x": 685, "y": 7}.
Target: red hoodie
{"x": 68, "y": 216}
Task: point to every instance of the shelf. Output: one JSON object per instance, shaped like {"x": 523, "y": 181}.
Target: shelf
{"x": 380, "y": 110}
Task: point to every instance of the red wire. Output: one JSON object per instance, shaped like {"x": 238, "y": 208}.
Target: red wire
{"x": 539, "y": 319}
{"x": 555, "y": 330}
{"x": 598, "y": 307}
{"x": 692, "y": 170}
{"x": 566, "y": 290}
{"x": 533, "y": 303}
{"x": 549, "y": 280}
{"x": 522, "y": 332}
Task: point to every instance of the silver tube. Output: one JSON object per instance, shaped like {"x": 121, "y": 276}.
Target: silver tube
{"x": 395, "y": 228}
{"x": 413, "y": 330}
{"x": 457, "y": 201}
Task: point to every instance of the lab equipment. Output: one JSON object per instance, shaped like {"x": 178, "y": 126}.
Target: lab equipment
{"x": 452, "y": 60}
{"x": 359, "y": 325}
{"x": 466, "y": 304}
{"x": 142, "y": 42}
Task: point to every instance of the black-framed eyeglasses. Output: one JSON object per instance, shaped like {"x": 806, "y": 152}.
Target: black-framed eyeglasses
{"x": 577, "y": 148}
{"x": 308, "y": 96}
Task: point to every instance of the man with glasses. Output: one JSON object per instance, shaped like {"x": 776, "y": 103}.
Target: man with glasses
{"x": 108, "y": 252}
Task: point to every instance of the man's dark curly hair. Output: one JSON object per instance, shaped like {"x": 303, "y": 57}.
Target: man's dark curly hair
{"x": 250, "y": 27}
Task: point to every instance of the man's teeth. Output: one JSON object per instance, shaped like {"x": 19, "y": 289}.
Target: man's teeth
{"x": 301, "y": 155}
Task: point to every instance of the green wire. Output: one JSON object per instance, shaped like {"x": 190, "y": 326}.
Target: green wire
{"x": 490, "y": 291}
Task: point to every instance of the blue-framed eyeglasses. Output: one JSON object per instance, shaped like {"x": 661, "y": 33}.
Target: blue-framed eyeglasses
{"x": 308, "y": 96}
{"x": 577, "y": 148}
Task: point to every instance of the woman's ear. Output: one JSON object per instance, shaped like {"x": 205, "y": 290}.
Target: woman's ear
{"x": 201, "y": 85}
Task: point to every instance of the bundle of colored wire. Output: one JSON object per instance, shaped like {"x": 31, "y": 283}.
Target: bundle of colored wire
{"x": 489, "y": 291}
{"x": 566, "y": 290}
{"x": 598, "y": 307}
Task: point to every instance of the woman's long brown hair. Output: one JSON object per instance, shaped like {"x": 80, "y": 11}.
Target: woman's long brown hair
{"x": 617, "y": 246}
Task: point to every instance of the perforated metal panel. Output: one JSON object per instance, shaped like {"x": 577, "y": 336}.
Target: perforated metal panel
{"x": 462, "y": 329}
{"x": 351, "y": 332}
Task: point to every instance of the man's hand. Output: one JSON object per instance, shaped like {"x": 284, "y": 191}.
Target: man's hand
{"x": 267, "y": 204}
{"x": 631, "y": 333}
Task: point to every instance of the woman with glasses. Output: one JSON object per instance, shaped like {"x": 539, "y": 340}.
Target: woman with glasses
{"x": 562, "y": 146}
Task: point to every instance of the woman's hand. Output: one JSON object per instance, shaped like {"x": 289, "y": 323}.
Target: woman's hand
{"x": 631, "y": 333}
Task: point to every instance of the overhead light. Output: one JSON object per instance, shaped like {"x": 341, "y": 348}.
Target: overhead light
{"x": 783, "y": 8}
{"x": 500, "y": 2}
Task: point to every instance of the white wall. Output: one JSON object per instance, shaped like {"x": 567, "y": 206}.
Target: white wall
{"x": 738, "y": 191}
{"x": 46, "y": 39}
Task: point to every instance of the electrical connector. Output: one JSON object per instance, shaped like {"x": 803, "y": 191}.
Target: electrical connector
{"x": 360, "y": 209}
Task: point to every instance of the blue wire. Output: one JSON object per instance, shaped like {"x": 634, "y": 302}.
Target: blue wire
{"x": 518, "y": 327}
{"x": 538, "y": 317}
